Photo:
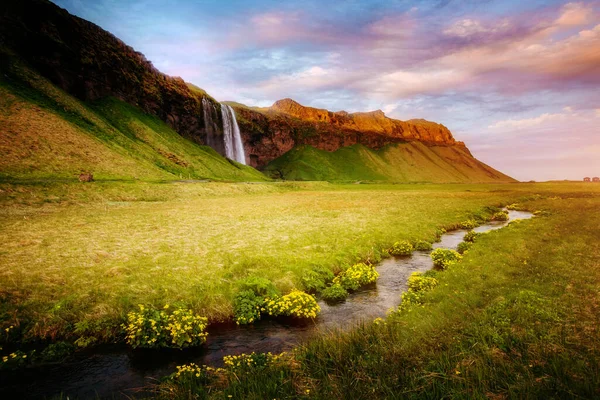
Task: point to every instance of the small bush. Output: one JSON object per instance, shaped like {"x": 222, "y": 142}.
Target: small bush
{"x": 470, "y": 236}
{"x": 57, "y": 352}
{"x": 334, "y": 293}
{"x": 315, "y": 280}
{"x": 469, "y": 224}
{"x": 260, "y": 286}
{"x": 402, "y": 248}
{"x": 423, "y": 245}
{"x": 500, "y": 216}
{"x": 356, "y": 276}
{"x": 152, "y": 328}
{"x": 463, "y": 247}
{"x": 295, "y": 304}
{"x": 247, "y": 307}
{"x": 513, "y": 206}
{"x": 443, "y": 258}
{"x": 418, "y": 282}
{"x": 410, "y": 299}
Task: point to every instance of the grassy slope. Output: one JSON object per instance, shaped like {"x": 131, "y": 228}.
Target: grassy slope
{"x": 97, "y": 250}
{"x": 517, "y": 318}
{"x": 49, "y": 134}
{"x": 407, "y": 162}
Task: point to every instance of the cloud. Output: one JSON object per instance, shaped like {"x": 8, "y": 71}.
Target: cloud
{"x": 575, "y": 14}
{"x": 470, "y": 27}
{"x": 529, "y": 122}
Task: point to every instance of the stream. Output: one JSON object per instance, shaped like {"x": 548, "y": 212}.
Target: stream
{"x": 116, "y": 371}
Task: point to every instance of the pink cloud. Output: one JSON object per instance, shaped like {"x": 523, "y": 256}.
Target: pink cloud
{"x": 390, "y": 58}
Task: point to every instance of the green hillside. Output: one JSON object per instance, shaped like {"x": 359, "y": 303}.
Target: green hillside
{"x": 47, "y": 134}
{"x": 405, "y": 162}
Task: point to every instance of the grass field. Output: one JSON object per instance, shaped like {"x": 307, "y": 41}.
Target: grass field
{"x": 517, "y": 318}
{"x": 75, "y": 258}
{"x": 402, "y": 162}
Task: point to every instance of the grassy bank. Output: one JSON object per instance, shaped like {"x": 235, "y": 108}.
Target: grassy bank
{"x": 76, "y": 258}
{"x": 517, "y": 318}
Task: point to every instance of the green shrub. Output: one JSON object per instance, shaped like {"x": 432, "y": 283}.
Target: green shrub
{"x": 356, "y": 276}
{"x": 316, "y": 279}
{"x": 500, "y": 216}
{"x": 423, "y": 245}
{"x": 470, "y": 236}
{"x": 443, "y": 258}
{"x": 463, "y": 247}
{"x": 57, "y": 352}
{"x": 432, "y": 273}
{"x": 513, "y": 206}
{"x": 247, "y": 307}
{"x": 260, "y": 286}
{"x": 334, "y": 293}
{"x": 153, "y": 328}
{"x": 418, "y": 282}
{"x": 295, "y": 304}
{"x": 402, "y": 248}
{"x": 469, "y": 224}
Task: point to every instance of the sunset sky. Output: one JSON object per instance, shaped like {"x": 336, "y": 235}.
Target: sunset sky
{"x": 518, "y": 81}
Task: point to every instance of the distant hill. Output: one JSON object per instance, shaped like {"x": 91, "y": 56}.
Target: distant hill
{"x": 398, "y": 162}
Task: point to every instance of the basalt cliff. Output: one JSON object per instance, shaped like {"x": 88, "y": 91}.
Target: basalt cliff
{"x": 270, "y": 132}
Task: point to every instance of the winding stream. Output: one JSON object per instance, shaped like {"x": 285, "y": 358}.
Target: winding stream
{"x": 119, "y": 372}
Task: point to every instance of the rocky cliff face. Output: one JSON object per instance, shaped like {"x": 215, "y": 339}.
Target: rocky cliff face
{"x": 90, "y": 63}
{"x": 270, "y": 132}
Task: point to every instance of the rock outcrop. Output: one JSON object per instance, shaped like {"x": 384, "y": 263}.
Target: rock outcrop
{"x": 270, "y": 132}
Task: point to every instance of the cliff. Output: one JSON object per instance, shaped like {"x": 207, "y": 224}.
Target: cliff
{"x": 90, "y": 63}
{"x": 270, "y": 132}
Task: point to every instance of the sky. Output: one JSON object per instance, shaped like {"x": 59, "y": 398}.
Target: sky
{"x": 517, "y": 81}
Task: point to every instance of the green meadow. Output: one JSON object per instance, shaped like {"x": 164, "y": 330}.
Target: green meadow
{"x": 516, "y": 318}
{"x": 77, "y": 257}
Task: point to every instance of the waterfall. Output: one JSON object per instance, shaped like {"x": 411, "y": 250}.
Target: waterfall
{"x": 234, "y": 149}
{"x": 230, "y": 143}
{"x": 213, "y": 138}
